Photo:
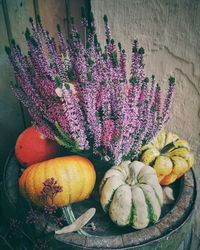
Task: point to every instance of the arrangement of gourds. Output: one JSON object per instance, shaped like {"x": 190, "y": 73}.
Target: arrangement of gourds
{"x": 104, "y": 114}
{"x": 130, "y": 193}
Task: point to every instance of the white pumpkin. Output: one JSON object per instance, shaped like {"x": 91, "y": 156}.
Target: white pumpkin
{"x": 131, "y": 194}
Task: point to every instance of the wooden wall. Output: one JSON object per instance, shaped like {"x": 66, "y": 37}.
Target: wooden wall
{"x": 14, "y": 18}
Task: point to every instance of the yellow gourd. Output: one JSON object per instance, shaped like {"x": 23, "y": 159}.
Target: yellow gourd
{"x": 169, "y": 155}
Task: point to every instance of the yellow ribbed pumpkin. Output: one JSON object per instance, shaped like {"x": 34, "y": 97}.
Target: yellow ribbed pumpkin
{"x": 75, "y": 174}
{"x": 169, "y": 155}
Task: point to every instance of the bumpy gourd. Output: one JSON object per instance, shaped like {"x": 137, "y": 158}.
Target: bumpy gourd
{"x": 169, "y": 155}
{"x": 75, "y": 174}
{"x": 131, "y": 194}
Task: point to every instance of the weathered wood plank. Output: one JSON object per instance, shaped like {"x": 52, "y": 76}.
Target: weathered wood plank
{"x": 18, "y": 12}
{"x": 53, "y": 12}
{"x": 11, "y": 122}
{"x": 195, "y": 244}
{"x": 74, "y": 10}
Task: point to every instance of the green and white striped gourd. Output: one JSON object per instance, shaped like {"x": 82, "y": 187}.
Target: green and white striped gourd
{"x": 131, "y": 194}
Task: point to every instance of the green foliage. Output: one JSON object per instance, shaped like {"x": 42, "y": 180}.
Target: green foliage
{"x": 58, "y": 81}
{"x": 64, "y": 140}
{"x": 58, "y": 28}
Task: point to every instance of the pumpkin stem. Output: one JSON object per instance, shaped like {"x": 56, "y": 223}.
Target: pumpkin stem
{"x": 167, "y": 148}
{"x": 70, "y": 218}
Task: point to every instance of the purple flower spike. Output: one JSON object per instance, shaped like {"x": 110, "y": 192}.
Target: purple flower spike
{"x": 82, "y": 96}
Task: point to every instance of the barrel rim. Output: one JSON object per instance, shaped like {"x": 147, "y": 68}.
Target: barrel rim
{"x": 10, "y": 155}
{"x": 188, "y": 187}
{"x": 135, "y": 246}
{"x": 186, "y": 206}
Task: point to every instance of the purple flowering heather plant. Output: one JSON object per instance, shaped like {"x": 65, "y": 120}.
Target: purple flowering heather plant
{"x": 81, "y": 95}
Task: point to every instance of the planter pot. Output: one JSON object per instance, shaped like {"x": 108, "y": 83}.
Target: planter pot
{"x": 173, "y": 231}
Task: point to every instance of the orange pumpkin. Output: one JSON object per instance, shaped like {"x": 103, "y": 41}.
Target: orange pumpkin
{"x": 32, "y": 147}
{"x": 75, "y": 174}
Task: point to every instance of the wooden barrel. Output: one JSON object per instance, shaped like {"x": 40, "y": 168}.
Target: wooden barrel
{"x": 172, "y": 232}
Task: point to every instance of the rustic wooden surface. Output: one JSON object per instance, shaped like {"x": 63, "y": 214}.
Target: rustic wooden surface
{"x": 195, "y": 244}
{"x": 14, "y": 18}
{"x": 53, "y": 12}
{"x": 11, "y": 121}
{"x": 173, "y": 231}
